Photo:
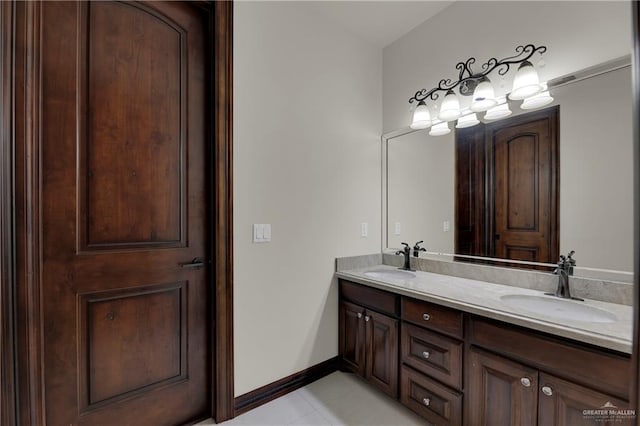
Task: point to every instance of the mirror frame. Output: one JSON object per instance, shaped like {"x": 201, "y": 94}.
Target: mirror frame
{"x": 634, "y": 395}
{"x": 591, "y": 272}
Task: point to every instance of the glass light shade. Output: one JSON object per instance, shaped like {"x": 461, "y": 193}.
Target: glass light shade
{"x": 440, "y": 129}
{"x": 450, "y": 108}
{"x": 526, "y": 82}
{"x": 497, "y": 112}
{"x": 467, "y": 121}
{"x": 483, "y": 97}
{"x": 537, "y": 101}
{"x": 421, "y": 117}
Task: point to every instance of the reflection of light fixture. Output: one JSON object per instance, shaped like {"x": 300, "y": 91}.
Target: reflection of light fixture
{"x": 421, "y": 117}
{"x": 526, "y": 84}
{"x": 497, "y": 112}
{"x": 467, "y": 121}
{"x": 440, "y": 129}
{"x": 484, "y": 96}
{"x": 537, "y": 101}
{"x": 450, "y": 108}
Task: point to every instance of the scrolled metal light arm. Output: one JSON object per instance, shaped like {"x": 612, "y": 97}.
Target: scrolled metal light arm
{"x": 467, "y": 79}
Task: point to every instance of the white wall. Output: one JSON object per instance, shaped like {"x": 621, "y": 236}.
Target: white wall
{"x": 596, "y": 185}
{"x": 307, "y": 122}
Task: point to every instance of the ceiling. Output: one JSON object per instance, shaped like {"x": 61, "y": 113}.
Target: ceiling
{"x": 378, "y": 22}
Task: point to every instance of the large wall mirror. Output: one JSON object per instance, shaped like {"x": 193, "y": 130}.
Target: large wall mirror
{"x": 592, "y": 193}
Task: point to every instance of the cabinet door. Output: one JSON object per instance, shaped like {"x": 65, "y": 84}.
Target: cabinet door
{"x": 501, "y": 392}
{"x": 382, "y": 352}
{"x": 562, "y": 403}
{"x": 352, "y": 337}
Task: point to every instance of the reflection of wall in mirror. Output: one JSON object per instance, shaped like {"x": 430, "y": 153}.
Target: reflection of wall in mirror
{"x": 420, "y": 190}
{"x": 595, "y": 118}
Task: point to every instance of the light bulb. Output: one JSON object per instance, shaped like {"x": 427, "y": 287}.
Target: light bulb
{"x": 467, "y": 121}
{"x": 421, "y": 117}
{"x": 483, "y": 97}
{"x": 537, "y": 101}
{"x": 450, "y": 108}
{"x": 497, "y": 112}
{"x": 526, "y": 82}
{"x": 440, "y": 129}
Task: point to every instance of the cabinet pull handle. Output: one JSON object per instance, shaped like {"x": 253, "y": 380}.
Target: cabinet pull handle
{"x": 426, "y": 317}
{"x": 547, "y": 390}
{"x": 426, "y": 354}
{"x": 359, "y": 315}
{"x": 525, "y": 382}
{"x": 426, "y": 401}
{"x": 367, "y": 318}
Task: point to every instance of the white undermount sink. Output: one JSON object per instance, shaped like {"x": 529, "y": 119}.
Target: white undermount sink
{"x": 556, "y": 308}
{"x": 390, "y": 274}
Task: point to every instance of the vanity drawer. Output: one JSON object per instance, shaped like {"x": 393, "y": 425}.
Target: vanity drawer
{"x": 369, "y": 297}
{"x": 433, "y": 354}
{"x": 435, "y": 317}
{"x": 433, "y": 401}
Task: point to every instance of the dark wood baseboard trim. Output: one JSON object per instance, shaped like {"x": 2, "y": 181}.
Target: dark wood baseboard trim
{"x": 266, "y": 393}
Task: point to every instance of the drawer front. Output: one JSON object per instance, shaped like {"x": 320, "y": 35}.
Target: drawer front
{"x": 434, "y": 317}
{"x": 369, "y": 297}
{"x": 433, "y": 354}
{"x": 433, "y": 401}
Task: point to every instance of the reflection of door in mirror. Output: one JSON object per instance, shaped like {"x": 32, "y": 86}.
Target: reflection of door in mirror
{"x": 507, "y": 188}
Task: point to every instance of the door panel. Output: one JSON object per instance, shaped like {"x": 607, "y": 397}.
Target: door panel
{"x": 524, "y": 181}
{"x": 352, "y": 335}
{"x": 132, "y": 53}
{"x": 123, "y": 206}
{"x": 382, "y": 352}
{"x": 501, "y": 393}
{"x": 565, "y": 402}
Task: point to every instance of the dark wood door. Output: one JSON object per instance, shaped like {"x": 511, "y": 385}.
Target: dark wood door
{"x": 562, "y": 403}
{"x": 352, "y": 337}
{"x": 525, "y": 187}
{"x": 382, "y": 352}
{"x": 501, "y": 392}
{"x": 126, "y": 325}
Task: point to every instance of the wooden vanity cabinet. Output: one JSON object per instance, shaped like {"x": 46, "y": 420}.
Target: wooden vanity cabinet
{"x": 454, "y": 368}
{"x": 368, "y": 339}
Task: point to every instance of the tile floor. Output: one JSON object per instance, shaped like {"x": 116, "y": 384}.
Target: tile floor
{"x": 339, "y": 399}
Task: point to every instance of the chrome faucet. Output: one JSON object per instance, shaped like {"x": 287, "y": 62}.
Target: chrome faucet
{"x": 407, "y": 257}
{"x": 564, "y": 271}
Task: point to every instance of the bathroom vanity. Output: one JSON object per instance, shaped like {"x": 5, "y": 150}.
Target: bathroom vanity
{"x": 455, "y": 352}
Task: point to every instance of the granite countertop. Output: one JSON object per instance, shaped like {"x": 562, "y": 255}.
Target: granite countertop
{"x": 483, "y": 299}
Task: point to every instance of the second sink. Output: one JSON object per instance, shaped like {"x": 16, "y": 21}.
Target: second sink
{"x": 552, "y": 307}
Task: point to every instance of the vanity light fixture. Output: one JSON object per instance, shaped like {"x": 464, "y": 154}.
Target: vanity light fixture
{"x": 498, "y": 112}
{"x": 421, "y": 117}
{"x": 440, "y": 129}
{"x": 478, "y": 86}
{"x": 467, "y": 121}
{"x": 537, "y": 101}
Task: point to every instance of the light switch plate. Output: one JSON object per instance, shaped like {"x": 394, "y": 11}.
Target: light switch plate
{"x": 261, "y": 233}
{"x": 364, "y": 229}
{"x": 397, "y": 229}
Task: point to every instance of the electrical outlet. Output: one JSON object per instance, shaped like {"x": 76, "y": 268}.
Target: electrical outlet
{"x": 364, "y": 229}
